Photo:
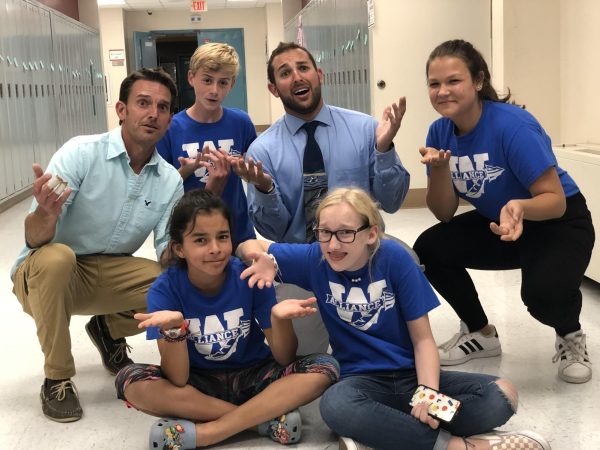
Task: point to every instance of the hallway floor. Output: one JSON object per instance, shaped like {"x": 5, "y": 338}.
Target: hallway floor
{"x": 564, "y": 413}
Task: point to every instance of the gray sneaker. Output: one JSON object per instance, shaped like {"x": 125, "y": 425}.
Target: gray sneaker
{"x": 574, "y": 365}
{"x": 60, "y": 401}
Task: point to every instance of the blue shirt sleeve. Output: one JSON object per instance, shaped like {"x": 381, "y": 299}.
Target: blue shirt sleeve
{"x": 294, "y": 261}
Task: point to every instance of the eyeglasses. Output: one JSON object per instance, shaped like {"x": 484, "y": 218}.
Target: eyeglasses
{"x": 344, "y": 236}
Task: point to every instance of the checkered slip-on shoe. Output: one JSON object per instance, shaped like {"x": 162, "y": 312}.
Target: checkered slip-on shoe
{"x": 514, "y": 440}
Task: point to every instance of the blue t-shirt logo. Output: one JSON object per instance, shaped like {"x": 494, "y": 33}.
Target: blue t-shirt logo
{"x": 216, "y": 341}
{"x": 358, "y": 310}
{"x": 469, "y": 177}
{"x": 192, "y": 149}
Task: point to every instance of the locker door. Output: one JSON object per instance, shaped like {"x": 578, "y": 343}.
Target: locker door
{"x": 5, "y": 160}
{"x": 44, "y": 111}
{"x": 12, "y": 168}
{"x": 97, "y": 84}
{"x": 60, "y": 80}
{"x": 28, "y": 126}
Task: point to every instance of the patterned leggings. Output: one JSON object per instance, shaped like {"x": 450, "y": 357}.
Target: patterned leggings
{"x": 233, "y": 385}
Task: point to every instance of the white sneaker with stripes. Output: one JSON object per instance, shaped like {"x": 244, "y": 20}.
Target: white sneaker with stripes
{"x": 464, "y": 346}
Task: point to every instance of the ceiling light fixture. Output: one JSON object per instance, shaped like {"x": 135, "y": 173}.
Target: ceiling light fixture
{"x": 105, "y": 3}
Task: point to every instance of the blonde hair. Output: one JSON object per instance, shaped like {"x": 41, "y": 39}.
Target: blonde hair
{"x": 215, "y": 56}
{"x": 364, "y": 206}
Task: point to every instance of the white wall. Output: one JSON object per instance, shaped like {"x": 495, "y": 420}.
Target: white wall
{"x": 580, "y": 69}
{"x": 112, "y": 38}
{"x": 546, "y": 52}
{"x": 404, "y": 34}
{"x": 275, "y": 34}
{"x": 252, "y": 20}
{"x": 290, "y": 8}
{"x": 531, "y": 45}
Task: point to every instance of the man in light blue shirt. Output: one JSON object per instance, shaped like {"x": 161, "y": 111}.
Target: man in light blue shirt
{"x": 80, "y": 240}
{"x": 357, "y": 151}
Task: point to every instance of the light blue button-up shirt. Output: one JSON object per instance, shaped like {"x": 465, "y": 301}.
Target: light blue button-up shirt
{"x": 347, "y": 140}
{"x": 112, "y": 209}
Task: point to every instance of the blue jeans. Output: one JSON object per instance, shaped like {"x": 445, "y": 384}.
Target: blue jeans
{"x": 373, "y": 409}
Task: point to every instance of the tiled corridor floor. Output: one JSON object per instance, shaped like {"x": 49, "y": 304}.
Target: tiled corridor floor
{"x": 568, "y": 415}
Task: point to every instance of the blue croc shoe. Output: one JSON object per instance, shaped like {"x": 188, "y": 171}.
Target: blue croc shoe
{"x": 285, "y": 429}
{"x": 172, "y": 434}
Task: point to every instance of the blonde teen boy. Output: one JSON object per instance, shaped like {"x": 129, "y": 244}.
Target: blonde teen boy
{"x": 201, "y": 137}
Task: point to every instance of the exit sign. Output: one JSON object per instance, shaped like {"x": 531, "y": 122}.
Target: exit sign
{"x": 198, "y": 6}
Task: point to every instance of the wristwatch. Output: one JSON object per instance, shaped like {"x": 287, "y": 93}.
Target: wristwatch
{"x": 175, "y": 333}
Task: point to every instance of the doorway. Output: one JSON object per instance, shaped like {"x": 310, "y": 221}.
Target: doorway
{"x": 173, "y": 53}
{"x": 172, "y": 50}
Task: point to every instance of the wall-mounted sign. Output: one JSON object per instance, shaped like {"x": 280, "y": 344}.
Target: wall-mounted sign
{"x": 370, "y": 13}
{"x": 116, "y": 54}
{"x": 198, "y": 6}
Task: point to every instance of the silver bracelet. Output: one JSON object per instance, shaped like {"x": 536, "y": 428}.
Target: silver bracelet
{"x": 274, "y": 261}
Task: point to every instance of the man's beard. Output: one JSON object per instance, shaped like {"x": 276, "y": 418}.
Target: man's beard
{"x": 291, "y": 104}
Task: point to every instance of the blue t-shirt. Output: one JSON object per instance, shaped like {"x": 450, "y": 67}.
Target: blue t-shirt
{"x": 226, "y": 328}
{"x": 365, "y": 312}
{"x": 499, "y": 159}
{"x": 233, "y": 133}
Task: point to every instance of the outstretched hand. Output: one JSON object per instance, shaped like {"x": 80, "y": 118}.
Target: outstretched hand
{"x": 435, "y": 157}
{"x": 188, "y": 165}
{"x": 510, "y": 227}
{"x": 262, "y": 271}
{"x": 163, "y": 319}
{"x": 218, "y": 167}
{"x": 293, "y": 309}
{"x": 47, "y": 198}
{"x": 251, "y": 172}
{"x": 390, "y": 124}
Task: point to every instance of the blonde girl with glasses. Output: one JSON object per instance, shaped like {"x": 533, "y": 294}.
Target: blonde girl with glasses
{"x": 374, "y": 301}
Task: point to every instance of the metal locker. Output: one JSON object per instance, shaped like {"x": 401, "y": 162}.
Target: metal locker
{"x": 44, "y": 107}
{"x": 29, "y": 142}
{"x": 4, "y": 143}
{"x": 51, "y": 88}
{"x": 13, "y": 115}
{"x": 336, "y": 32}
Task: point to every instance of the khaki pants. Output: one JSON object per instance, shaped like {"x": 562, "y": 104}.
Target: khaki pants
{"x": 54, "y": 284}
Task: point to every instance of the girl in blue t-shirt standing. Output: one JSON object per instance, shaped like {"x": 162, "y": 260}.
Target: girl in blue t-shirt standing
{"x": 217, "y": 376}
{"x": 374, "y": 302}
{"x": 529, "y": 213}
